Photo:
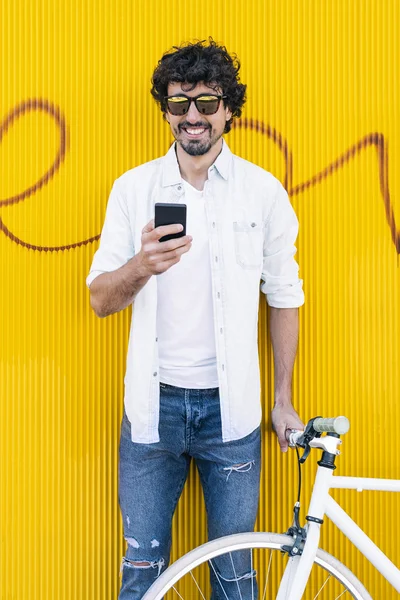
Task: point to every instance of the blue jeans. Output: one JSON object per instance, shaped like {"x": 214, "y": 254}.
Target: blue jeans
{"x": 151, "y": 480}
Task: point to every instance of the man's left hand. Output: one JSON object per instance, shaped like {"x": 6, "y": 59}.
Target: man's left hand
{"x": 284, "y": 417}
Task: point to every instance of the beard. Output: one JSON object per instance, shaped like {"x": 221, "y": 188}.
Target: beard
{"x": 197, "y": 147}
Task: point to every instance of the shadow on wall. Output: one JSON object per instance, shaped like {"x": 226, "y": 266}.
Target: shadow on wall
{"x": 371, "y": 139}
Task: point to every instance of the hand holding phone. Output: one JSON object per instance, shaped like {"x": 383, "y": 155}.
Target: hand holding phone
{"x": 157, "y": 256}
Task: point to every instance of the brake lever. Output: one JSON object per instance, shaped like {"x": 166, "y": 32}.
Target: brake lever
{"x": 308, "y": 435}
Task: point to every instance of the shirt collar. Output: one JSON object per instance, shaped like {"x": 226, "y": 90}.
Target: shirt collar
{"x": 171, "y": 173}
{"x": 223, "y": 160}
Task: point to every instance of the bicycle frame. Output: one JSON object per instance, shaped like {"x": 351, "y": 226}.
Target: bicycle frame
{"x": 298, "y": 569}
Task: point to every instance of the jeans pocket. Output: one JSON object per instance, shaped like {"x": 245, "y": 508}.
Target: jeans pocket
{"x": 248, "y": 244}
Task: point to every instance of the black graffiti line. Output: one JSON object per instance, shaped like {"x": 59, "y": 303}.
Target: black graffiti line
{"x": 372, "y": 139}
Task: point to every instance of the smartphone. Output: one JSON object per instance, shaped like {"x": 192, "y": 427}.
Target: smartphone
{"x": 170, "y": 214}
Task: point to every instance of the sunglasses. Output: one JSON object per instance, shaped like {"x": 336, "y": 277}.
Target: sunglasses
{"x": 206, "y": 104}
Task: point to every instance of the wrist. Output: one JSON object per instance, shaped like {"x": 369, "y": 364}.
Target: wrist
{"x": 141, "y": 270}
{"x": 283, "y": 398}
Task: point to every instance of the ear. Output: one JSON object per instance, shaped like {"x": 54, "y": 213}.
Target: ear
{"x": 228, "y": 113}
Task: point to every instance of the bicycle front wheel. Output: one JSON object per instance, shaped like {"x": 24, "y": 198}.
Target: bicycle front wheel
{"x": 188, "y": 577}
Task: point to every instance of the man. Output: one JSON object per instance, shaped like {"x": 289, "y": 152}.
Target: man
{"x": 192, "y": 386}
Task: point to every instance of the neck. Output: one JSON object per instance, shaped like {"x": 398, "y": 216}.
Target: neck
{"x": 194, "y": 169}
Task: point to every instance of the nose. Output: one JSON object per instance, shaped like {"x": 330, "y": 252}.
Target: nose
{"x": 193, "y": 114}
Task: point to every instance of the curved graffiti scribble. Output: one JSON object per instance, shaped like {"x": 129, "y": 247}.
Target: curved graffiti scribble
{"x": 52, "y": 110}
{"x": 372, "y": 139}
{"x": 20, "y": 242}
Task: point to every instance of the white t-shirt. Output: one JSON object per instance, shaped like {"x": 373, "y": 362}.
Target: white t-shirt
{"x": 185, "y": 321}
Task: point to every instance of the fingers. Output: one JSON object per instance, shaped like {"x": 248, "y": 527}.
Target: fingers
{"x": 285, "y": 418}
{"x": 173, "y": 244}
{"x": 149, "y": 232}
{"x": 282, "y": 441}
{"x": 158, "y": 256}
{"x": 167, "y": 230}
{"x": 163, "y": 266}
{"x": 172, "y": 256}
{"x": 156, "y": 249}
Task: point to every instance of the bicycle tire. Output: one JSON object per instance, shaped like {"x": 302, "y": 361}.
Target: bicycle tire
{"x": 253, "y": 540}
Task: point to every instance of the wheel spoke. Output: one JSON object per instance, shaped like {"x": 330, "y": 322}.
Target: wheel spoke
{"x": 322, "y": 586}
{"x": 218, "y": 578}
{"x": 274, "y": 572}
{"x": 236, "y": 577}
{"x": 317, "y": 595}
{"x": 197, "y": 585}
{"x": 252, "y": 578}
{"x": 175, "y": 590}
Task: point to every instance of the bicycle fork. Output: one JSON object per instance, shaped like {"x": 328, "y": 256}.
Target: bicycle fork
{"x": 298, "y": 569}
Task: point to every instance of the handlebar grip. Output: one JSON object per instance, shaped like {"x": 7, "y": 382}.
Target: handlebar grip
{"x": 339, "y": 425}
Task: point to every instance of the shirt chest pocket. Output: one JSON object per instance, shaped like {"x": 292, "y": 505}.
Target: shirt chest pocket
{"x": 248, "y": 240}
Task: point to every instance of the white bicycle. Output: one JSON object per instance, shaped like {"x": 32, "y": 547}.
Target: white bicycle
{"x": 290, "y": 566}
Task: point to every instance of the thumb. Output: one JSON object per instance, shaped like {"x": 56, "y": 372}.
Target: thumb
{"x": 149, "y": 227}
{"x": 282, "y": 439}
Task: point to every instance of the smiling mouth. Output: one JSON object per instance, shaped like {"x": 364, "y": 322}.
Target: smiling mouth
{"x": 194, "y": 132}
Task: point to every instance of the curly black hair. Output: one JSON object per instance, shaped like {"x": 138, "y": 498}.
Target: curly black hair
{"x": 197, "y": 62}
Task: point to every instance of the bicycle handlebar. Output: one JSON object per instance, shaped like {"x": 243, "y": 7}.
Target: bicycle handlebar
{"x": 338, "y": 425}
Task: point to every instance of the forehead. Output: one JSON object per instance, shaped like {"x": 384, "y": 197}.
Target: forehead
{"x": 185, "y": 88}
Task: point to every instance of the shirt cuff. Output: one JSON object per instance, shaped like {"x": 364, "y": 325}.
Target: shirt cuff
{"x": 290, "y": 297}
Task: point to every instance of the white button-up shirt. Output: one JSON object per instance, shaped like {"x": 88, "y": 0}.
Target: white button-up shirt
{"x": 252, "y": 231}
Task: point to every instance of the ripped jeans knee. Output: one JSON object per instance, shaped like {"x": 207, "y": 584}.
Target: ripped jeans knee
{"x": 241, "y": 468}
{"x": 143, "y": 564}
{"x": 143, "y": 556}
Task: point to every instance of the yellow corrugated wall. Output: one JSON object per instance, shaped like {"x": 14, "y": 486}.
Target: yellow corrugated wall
{"x": 322, "y": 115}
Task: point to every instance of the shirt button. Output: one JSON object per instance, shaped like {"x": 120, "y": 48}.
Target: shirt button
{"x": 155, "y": 374}
{"x": 156, "y": 339}
{"x": 213, "y": 223}
{"x": 179, "y": 187}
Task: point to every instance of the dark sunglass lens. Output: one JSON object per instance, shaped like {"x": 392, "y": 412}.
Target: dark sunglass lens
{"x": 207, "y": 105}
{"x": 178, "y": 106}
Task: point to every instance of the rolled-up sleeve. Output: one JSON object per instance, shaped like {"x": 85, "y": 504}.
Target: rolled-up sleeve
{"x": 116, "y": 240}
{"x": 280, "y": 276}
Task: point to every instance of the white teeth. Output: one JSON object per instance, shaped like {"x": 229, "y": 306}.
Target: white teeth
{"x": 195, "y": 131}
